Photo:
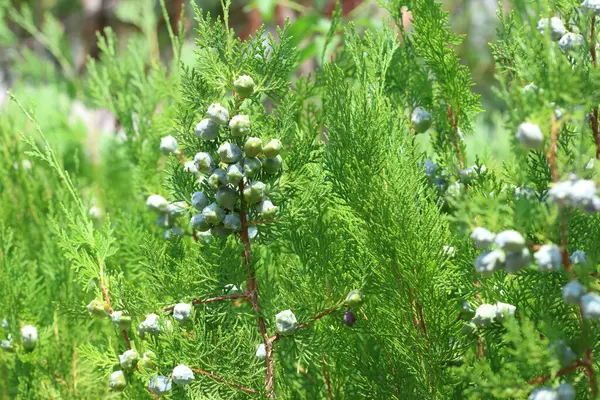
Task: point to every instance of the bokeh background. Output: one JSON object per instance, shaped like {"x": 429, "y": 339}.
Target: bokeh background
{"x": 45, "y": 46}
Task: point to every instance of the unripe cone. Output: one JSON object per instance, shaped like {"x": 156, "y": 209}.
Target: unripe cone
{"x": 510, "y": 241}
{"x": 254, "y": 192}
{"x": 484, "y": 315}
{"x": 244, "y": 86}
{"x": 213, "y": 214}
{"x": 572, "y": 292}
{"x": 271, "y": 165}
{"x": 531, "y": 136}
{"x": 548, "y": 257}
{"x": 7, "y": 345}
{"x": 554, "y": 24}
{"x": 285, "y": 322}
{"x": 199, "y": 223}
{"x": 182, "y": 375}
{"x": 98, "y": 308}
{"x": 482, "y": 237}
{"x": 266, "y": 209}
{"x": 239, "y": 126}
{"x": 566, "y": 392}
{"x": 118, "y": 381}
{"x": 218, "y": 114}
{"x": 199, "y": 200}
{"x": 590, "y": 306}
{"x": 160, "y": 385}
{"x": 253, "y": 147}
{"x": 207, "y": 129}
{"x": 129, "y": 359}
{"x": 30, "y": 337}
{"x": 220, "y": 231}
{"x": 272, "y": 148}
{"x": 120, "y": 320}
{"x": 489, "y": 261}
{"x": 570, "y": 42}
{"x": 217, "y": 179}
{"x": 235, "y": 173}
{"x": 232, "y": 222}
{"x": 149, "y": 325}
{"x": 591, "y": 6}
{"x": 182, "y": 312}
{"x": 261, "y": 351}
{"x": 226, "y": 197}
{"x": 148, "y": 360}
{"x": 204, "y": 162}
{"x": 504, "y": 310}
{"x": 354, "y": 300}
{"x": 230, "y": 153}
{"x": 421, "y": 120}
{"x": 157, "y": 203}
{"x": 517, "y": 260}
{"x": 168, "y": 145}
{"x": 251, "y": 166}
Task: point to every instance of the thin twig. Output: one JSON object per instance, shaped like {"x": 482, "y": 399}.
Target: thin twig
{"x": 252, "y": 288}
{"x": 564, "y": 371}
{"x": 223, "y": 380}
{"x": 312, "y": 319}
{"x": 589, "y": 370}
{"x": 326, "y": 377}
{"x": 210, "y": 300}
{"x": 454, "y": 122}
{"x": 564, "y": 230}
{"x": 320, "y": 315}
{"x": 594, "y": 116}
{"x": 553, "y": 149}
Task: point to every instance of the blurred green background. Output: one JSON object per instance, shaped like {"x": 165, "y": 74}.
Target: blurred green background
{"x": 45, "y": 44}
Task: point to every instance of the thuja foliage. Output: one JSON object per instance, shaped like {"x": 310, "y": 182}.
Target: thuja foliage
{"x": 254, "y": 233}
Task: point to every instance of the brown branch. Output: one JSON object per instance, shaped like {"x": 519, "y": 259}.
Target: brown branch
{"x": 252, "y": 288}
{"x": 320, "y": 315}
{"x": 593, "y": 42}
{"x": 107, "y": 300}
{"x": 222, "y": 380}
{"x": 564, "y": 224}
{"x": 454, "y": 122}
{"x": 210, "y": 300}
{"x": 553, "y": 148}
{"x": 312, "y": 319}
{"x": 594, "y": 116}
{"x": 564, "y": 371}
{"x": 589, "y": 371}
{"x": 326, "y": 377}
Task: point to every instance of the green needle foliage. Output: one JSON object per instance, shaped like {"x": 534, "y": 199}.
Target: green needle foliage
{"x": 109, "y": 255}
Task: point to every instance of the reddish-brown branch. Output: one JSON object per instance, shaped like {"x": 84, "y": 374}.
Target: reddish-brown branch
{"x": 454, "y": 122}
{"x": 210, "y": 300}
{"x": 589, "y": 371}
{"x": 564, "y": 371}
{"x": 595, "y": 130}
{"x": 222, "y": 380}
{"x": 553, "y": 148}
{"x": 252, "y": 287}
{"x": 422, "y": 320}
{"x": 319, "y": 316}
{"x": 326, "y": 377}
{"x": 593, "y": 42}
{"x": 312, "y": 319}
{"x": 107, "y": 300}
{"x": 594, "y": 116}
{"x": 564, "y": 224}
